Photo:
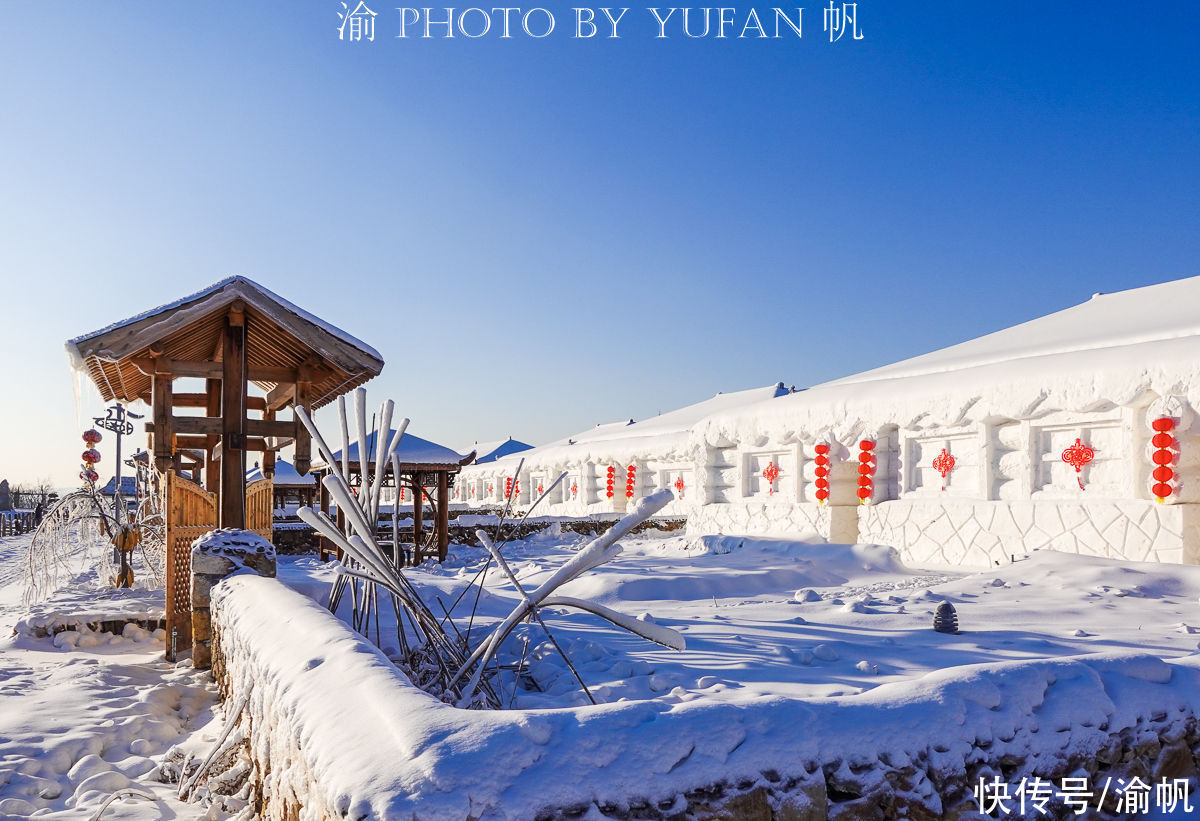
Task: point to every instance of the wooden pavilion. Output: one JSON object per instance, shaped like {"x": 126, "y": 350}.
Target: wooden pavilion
{"x": 232, "y": 334}
{"x": 427, "y": 471}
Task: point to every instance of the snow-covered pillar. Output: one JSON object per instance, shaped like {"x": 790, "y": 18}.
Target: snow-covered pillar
{"x": 843, "y": 495}
{"x": 215, "y": 555}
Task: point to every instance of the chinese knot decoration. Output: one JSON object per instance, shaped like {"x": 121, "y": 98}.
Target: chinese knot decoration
{"x": 1078, "y": 455}
{"x": 1163, "y": 457}
{"x": 771, "y": 473}
{"x": 489, "y": 492}
{"x": 679, "y": 486}
{"x": 943, "y": 463}
{"x": 610, "y": 482}
{"x": 630, "y": 481}
{"x": 866, "y": 470}
{"x": 539, "y": 488}
{"x": 574, "y": 489}
{"x": 822, "y": 472}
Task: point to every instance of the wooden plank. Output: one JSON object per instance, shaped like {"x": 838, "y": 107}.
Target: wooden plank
{"x": 233, "y": 418}
{"x": 203, "y": 425}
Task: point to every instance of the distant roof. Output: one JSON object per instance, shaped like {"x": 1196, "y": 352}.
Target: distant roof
{"x": 278, "y": 334}
{"x": 413, "y": 450}
{"x": 128, "y": 486}
{"x": 491, "y": 451}
{"x": 285, "y": 474}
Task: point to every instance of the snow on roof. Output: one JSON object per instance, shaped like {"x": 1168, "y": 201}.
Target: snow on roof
{"x": 413, "y": 450}
{"x": 664, "y": 436}
{"x": 247, "y": 289}
{"x": 128, "y": 486}
{"x": 285, "y": 474}
{"x": 1113, "y": 350}
{"x": 491, "y": 451}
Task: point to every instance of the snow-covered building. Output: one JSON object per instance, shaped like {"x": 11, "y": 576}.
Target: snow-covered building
{"x": 491, "y": 451}
{"x": 1075, "y": 431}
{"x": 608, "y": 465}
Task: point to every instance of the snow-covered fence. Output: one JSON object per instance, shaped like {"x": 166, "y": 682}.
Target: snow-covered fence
{"x": 336, "y": 730}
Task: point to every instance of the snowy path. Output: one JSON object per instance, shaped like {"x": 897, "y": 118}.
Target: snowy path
{"x": 79, "y": 722}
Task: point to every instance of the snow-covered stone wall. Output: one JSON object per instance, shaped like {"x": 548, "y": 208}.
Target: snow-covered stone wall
{"x": 979, "y": 534}
{"x": 337, "y": 731}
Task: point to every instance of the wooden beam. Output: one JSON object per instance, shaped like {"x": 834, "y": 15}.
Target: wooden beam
{"x": 212, "y": 469}
{"x": 418, "y": 491}
{"x": 214, "y": 370}
{"x": 280, "y": 395}
{"x": 200, "y": 400}
{"x": 233, "y": 419}
{"x": 203, "y": 425}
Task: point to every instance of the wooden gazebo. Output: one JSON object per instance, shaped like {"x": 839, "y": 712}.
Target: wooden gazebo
{"x": 426, "y": 469}
{"x": 231, "y": 334}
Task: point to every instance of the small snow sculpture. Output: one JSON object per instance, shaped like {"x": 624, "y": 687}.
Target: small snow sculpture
{"x": 945, "y": 619}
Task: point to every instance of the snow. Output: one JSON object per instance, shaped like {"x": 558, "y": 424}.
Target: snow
{"x": 237, "y": 287}
{"x": 413, "y": 450}
{"x": 85, "y": 713}
{"x": 767, "y": 682}
{"x": 285, "y": 474}
{"x": 1114, "y": 349}
{"x": 491, "y": 451}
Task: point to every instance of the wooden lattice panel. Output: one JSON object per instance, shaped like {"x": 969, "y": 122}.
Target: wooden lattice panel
{"x": 260, "y": 504}
{"x": 191, "y": 512}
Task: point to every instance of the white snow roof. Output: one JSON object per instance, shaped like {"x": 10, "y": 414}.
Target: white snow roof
{"x": 1115, "y": 349}
{"x": 491, "y": 451}
{"x": 659, "y": 437}
{"x": 285, "y": 474}
{"x": 413, "y": 450}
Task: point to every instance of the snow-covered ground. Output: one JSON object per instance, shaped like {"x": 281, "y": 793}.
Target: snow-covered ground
{"x": 84, "y": 714}
{"x": 766, "y": 617}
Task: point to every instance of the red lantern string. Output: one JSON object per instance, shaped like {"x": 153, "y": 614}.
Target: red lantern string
{"x": 822, "y": 472}
{"x": 630, "y": 481}
{"x": 866, "y": 470}
{"x": 1163, "y": 457}
{"x": 610, "y": 482}
{"x": 1078, "y": 455}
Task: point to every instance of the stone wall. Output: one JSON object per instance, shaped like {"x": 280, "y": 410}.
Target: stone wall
{"x": 337, "y": 731}
{"x": 216, "y": 555}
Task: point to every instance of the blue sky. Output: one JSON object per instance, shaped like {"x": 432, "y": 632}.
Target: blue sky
{"x": 600, "y": 228}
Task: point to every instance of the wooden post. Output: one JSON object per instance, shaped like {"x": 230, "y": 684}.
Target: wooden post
{"x": 160, "y": 400}
{"x": 212, "y": 409}
{"x": 418, "y": 491}
{"x": 268, "y": 460}
{"x": 233, "y": 419}
{"x": 443, "y": 514}
{"x": 302, "y": 451}
{"x": 323, "y": 496}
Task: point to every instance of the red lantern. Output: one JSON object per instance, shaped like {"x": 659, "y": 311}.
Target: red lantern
{"x": 822, "y": 494}
{"x": 1163, "y": 457}
{"x": 1163, "y": 440}
{"x": 1162, "y": 473}
{"x": 1162, "y": 490}
{"x": 866, "y": 470}
{"x": 89, "y": 476}
{"x": 864, "y": 493}
{"x": 866, "y": 444}
{"x": 821, "y": 449}
{"x": 92, "y": 436}
{"x": 821, "y": 483}
{"x": 821, "y": 471}
{"x": 821, "y": 460}
{"x": 865, "y": 457}
{"x": 91, "y": 456}
{"x": 1163, "y": 424}
{"x": 865, "y": 481}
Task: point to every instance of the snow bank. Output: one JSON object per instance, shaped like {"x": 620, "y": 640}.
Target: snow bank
{"x": 337, "y": 730}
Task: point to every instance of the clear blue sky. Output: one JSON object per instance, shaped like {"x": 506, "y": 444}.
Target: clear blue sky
{"x": 597, "y": 228}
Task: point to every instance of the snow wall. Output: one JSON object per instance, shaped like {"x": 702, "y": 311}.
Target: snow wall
{"x": 337, "y": 731}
